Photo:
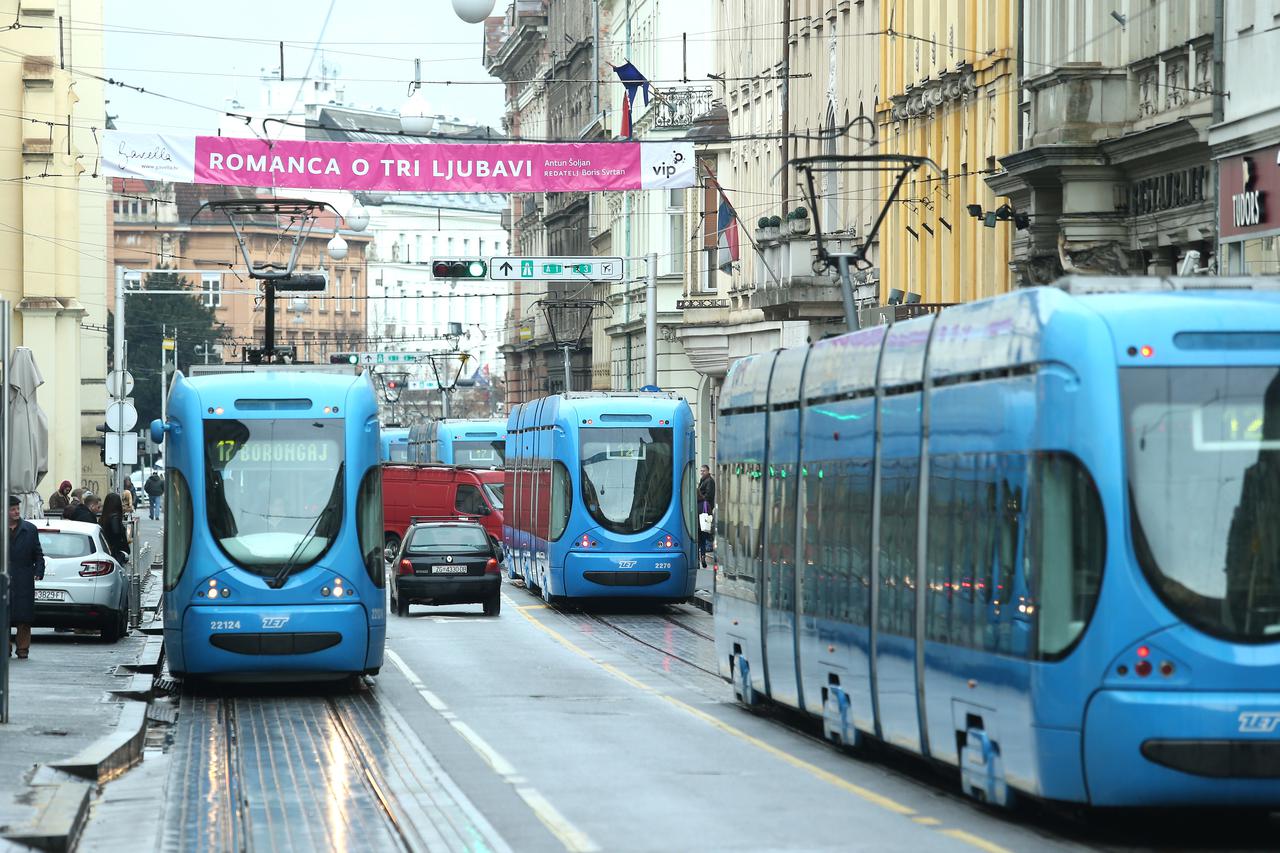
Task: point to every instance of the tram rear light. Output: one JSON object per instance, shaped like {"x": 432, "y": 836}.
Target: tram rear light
{"x": 96, "y": 568}
{"x": 213, "y": 593}
{"x": 1143, "y": 668}
{"x": 586, "y": 542}
{"x": 406, "y": 568}
{"x": 1166, "y": 668}
{"x": 491, "y": 567}
{"x": 1144, "y": 651}
{"x": 1146, "y": 351}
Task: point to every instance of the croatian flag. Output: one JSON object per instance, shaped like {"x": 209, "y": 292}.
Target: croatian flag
{"x": 633, "y": 83}
{"x": 726, "y": 235}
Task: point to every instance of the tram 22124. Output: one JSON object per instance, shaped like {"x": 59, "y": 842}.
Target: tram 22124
{"x": 599, "y": 496}
{"x": 273, "y": 527}
{"x": 1036, "y": 538}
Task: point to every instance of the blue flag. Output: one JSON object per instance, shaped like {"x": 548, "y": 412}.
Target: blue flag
{"x": 633, "y": 80}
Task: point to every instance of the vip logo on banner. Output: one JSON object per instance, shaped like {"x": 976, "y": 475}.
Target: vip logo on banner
{"x": 446, "y": 167}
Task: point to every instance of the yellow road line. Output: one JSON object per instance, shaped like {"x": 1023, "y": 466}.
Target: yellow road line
{"x": 814, "y": 770}
{"x": 976, "y": 841}
{"x": 926, "y": 821}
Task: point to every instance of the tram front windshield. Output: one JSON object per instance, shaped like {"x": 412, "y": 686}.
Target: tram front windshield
{"x": 1204, "y": 484}
{"x": 274, "y": 489}
{"x": 627, "y": 476}
{"x": 479, "y": 454}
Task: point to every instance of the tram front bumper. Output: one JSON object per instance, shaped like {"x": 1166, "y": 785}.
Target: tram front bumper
{"x": 637, "y": 575}
{"x": 317, "y": 640}
{"x": 1183, "y": 748}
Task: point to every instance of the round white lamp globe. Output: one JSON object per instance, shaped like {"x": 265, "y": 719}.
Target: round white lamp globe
{"x": 337, "y": 247}
{"x": 357, "y": 217}
{"x": 415, "y": 115}
{"x": 473, "y": 11}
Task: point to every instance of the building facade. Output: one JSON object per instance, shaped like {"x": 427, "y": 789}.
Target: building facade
{"x": 773, "y": 296}
{"x": 1246, "y": 141}
{"x": 1113, "y": 167}
{"x": 950, "y": 93}
{"x": 54, "y": 234}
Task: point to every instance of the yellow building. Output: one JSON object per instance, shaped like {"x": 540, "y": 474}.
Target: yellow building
{"x": 53, "y": 219}
{"x": 949, "y": 91}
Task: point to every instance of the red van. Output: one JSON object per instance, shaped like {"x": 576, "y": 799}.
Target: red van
{"x": 439, "y": 493}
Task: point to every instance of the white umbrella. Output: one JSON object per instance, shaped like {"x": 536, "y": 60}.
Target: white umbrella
{"x": 28, "y": 433}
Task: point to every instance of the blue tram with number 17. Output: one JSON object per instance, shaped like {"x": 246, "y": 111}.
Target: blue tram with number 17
{"x": 273, "y": 526}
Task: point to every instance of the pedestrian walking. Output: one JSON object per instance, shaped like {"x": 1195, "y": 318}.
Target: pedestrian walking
{"x": 61, "y": 499}
{"x": 85, "y": 510}
{"x": 113, "y": 527}
{"x": 26, "y": 566}
{"x": 131, "y": 491}
{"x": 126, "y": 503}
{"x": 154, "y": 487}
{"x": 706, "y": 517}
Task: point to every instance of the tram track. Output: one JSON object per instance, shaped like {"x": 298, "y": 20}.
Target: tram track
{"x": 667, "y": 652}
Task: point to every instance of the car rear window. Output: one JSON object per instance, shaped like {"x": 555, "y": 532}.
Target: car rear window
{"x": 59, "y": 544}
{"x": 438, "y": 538}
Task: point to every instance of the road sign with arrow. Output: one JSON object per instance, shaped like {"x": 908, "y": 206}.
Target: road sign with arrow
{"x": 589, "y": 268}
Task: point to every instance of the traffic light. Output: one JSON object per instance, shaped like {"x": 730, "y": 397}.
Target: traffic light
{"x": 459, "y": 268}
{"x": 342, "y": 358}
{"x": 102, "y": 441}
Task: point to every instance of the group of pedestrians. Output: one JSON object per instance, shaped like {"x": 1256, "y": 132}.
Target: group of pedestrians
{"x": 26, "y": 557}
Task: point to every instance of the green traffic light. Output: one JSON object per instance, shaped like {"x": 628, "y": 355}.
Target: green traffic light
{"x": 352, "y": 359}
{"x": 477, "y": 269}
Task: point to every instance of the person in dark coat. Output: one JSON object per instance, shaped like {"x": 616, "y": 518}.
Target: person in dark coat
{"x": 26, "y": 566}
{"x": 113, "y": 529}
{"x": 85, "y": 510}
{"x": 706, "y": 504}
{"x": 61, "y": 499}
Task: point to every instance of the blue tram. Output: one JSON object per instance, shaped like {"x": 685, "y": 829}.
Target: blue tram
{"x": 1029, "y": 537}
{"x": 394, "y": 445}
{"x": 600, "y": 491}
{"x": 464, "y": 443}
{"x": 273, "y": 526}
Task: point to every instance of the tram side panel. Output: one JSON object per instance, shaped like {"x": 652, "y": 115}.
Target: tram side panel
{"x": 837, "y": 454}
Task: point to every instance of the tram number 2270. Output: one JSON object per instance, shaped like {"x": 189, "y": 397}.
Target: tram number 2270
{"x": 224, "y": 625}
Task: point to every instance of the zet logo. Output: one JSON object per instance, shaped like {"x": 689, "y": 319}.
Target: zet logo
{"x": 273, "y": 622}
{"x": 1259, "y": 722}
{"x": 626, "y": 564}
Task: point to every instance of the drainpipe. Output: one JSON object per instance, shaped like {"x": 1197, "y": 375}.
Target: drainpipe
{"x": 651, "y": 322}
{"x": 1219, "y": 108}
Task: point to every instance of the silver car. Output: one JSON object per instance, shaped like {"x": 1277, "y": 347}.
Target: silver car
{"x": 83, "y": 586}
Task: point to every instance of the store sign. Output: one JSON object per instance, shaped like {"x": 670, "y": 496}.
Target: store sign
{"x": 498, "y": 167}
{"x": 1247, "y": 187}
{"x": 1169, "y": 191}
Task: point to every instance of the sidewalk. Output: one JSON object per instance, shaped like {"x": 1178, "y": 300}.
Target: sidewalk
{"x": 62, "y": 707}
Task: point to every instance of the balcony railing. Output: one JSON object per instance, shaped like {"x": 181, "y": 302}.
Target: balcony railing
{"x": 678, "y": 107}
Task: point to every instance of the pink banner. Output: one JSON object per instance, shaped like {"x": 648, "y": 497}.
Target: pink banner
{"x": 444, "y": 167}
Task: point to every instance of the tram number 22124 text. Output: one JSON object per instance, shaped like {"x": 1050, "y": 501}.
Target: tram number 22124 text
{"x": 224, "y": 625}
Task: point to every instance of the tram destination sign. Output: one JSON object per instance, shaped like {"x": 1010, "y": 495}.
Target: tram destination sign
{"x": 588, "y": 268}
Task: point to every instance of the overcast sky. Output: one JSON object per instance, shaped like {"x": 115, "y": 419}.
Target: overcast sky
{"x": 225, "y": 46}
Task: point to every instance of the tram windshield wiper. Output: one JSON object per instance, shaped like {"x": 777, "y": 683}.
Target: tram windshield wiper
{"x": 286, "y": 569}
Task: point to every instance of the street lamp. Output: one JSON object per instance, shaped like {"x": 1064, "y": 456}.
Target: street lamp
{"x": 337, "y": 247}
{"x": 473, "y": 11}
{"x": 357, "y": 217}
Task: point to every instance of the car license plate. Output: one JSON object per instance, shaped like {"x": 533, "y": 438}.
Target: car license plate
{"x": 50, "y": 595}
{"x": 448, "y": 570}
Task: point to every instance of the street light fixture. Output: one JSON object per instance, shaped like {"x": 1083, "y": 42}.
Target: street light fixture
{"x": 473, "y": 11}
{"x": 337, "y": 247}
{"x": 415, "y": 115}
{"x": 357, "y": 217}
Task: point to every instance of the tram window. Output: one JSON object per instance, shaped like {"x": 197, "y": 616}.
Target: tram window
{"x": 942, "y": 571}
{"x": 1067, "y": 540}
{"x": 899, "y": 500}
{"x": 782, "y": 532}
{"x": 369, "y": 528}
{"x": 178, "y": 520}
{"x": 561, "y": 499}
{"x": 857, "y": 527}
{"x": 688, "y": 501}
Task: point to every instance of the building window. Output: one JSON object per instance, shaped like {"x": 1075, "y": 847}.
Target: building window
{"x": 435, "y": 244}
{"x": 675, "y": 222}
{"x": 355, "y": 291}
{"x": 449, "y": 241}
{"x": 211, "y": 289}
{"x": 337, "y": 290}
{"x": 404, "y": 247}
{"x": 417, "y": 247}
{"x": 466, "y": 245}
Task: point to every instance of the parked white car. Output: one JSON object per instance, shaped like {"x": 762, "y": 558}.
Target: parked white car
{"x": 83, "y": 586}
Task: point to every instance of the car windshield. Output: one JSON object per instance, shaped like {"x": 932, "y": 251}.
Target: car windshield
{"x": 449, "y": 538}
{"x": 494, "y": 491}
{"x": 1204, "y": 483}
{"x": 626, "y": 476}
{"x": 274, "y": 489}
{"x": 479, "y": 454}
{"x": 398, "y": 451}
{"x": 60, "y": 544}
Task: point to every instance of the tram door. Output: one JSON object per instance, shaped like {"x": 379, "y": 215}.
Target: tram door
{"x": 782, "y": 468}
{"x": 896, "y": 678}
